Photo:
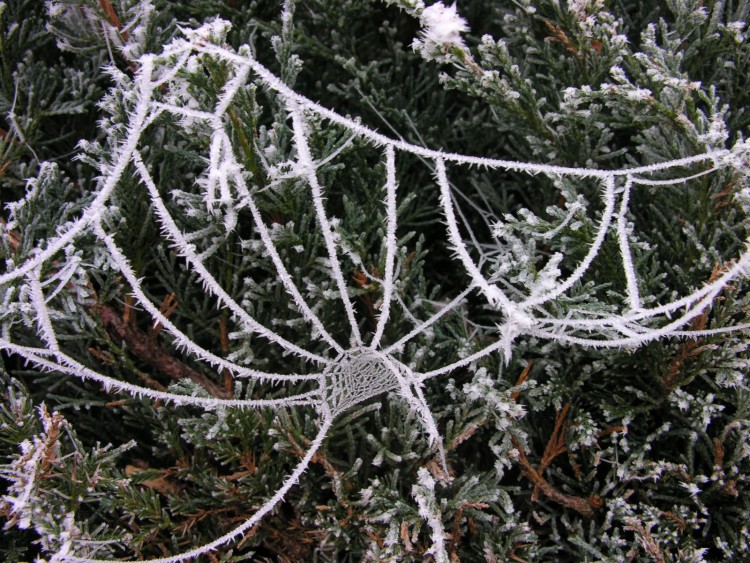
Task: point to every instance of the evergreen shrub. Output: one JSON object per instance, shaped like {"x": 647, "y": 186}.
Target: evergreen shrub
{"x": 444, "y": 283}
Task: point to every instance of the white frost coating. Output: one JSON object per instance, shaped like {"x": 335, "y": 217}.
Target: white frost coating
{"x": 627, "y": 257}
{"x": 344, "y": 374}
{"x": 390, "y": 244}
{"x": 25, "y": 468}
{"x": 24, "y": 471}
{"x": 442, "y": 24}
{"x": 69, "y": 533}
{"x": 46, "y": 331}
{"x": 308, "y": 166}
{"x": 424, "y": 494}
{"x": 441, "y": 30}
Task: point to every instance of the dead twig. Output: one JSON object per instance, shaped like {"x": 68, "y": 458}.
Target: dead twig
{"x": 692, "y": 348}
{"x": 584, "y": 506}
{"x": 111, "y": 14}
{"x": 555, "y": 445}
{"x": 148, "y": 351}
{"x": 645, "y": 539}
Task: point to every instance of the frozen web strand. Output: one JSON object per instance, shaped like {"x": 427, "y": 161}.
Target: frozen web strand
{"x": 188, "y": 251}
{"x": 390, "y": 244}
{"x": 244, "y": 57}
{"x": 180, "y": 338}
{"x": 63, "y": 363}
{"x": 96, "y": 209}
{"x": 67, "y": 364}
{"x": 308, "y": 167}
{"x": 230, "y": 169}
{"x": 627, "y": 258}
{"x": 693, "y": 305}
{"x": 347, "y": 373}
{"x": 492, "y": 291}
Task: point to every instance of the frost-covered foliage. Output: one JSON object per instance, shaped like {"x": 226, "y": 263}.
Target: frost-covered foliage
{"x": 529, "y": 344}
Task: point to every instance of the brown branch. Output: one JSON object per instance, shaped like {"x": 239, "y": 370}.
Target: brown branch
{"x": 404, "y": 535}
{"x": 13, "y": 237}
{"x": 9, "y": 137}
{"x": 645, "y": 539}
{"x": 250, "y": 465}
{"x": 584, "y": 507}
{"x": 224, "y": 342}
{"x": 688, "y": 351}
{"x": 691, "y": 349}
{"x": 467, "y": 433}
{"x": 512, "y": 555}
{"x": 555, "y": 445}
{"x": 148, "y": 351}
{"x": 337, "y": 477}
{"x": 111, "y": 14}
{"x": 559, "y": 36}
{"x": 675, "y": 519}
{"x": 718, "y": 453}
{"x": 127, "y": 312}
{"x": 361, "y": 279}
{"x": 729, "y": 487}
{"x": 115, "y": 22}
{"x": 722, "y": 198}
{"x": 161, "y": 484}
{"x": 168, "y": 306}
{"x": 521, "y": 379}
{"x": 457, "y": 534}
{"x": 611, "y": 430}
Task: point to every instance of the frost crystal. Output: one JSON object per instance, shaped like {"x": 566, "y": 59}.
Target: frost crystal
{"x": 429, "y": 509}
{"x": 441, "y": 31}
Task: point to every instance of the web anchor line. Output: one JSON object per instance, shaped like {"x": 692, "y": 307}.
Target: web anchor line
{"x": 342, "y": 374}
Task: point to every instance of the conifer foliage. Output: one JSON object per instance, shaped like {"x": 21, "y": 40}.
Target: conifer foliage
{"x": 374, "y": 281}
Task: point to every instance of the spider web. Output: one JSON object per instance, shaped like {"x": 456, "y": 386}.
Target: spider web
{"x": 360, "y": 369}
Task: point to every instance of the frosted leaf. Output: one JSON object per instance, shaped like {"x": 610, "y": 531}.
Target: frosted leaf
{"x": 343, "y": 372}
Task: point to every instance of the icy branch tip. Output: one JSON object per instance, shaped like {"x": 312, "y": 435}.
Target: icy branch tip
{"x": 441, "y": 30}
{"x": 214, "y": 31}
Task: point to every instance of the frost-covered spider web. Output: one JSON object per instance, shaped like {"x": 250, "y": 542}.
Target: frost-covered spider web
{"x": 365, "y": 366}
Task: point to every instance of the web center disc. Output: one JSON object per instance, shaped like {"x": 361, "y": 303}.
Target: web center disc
{"x": 356, "y": 376}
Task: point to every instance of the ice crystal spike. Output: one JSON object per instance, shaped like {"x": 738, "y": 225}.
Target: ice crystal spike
{"x": 362, "y": 368}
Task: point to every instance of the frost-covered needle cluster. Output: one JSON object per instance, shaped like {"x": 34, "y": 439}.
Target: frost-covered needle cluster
{"x": 442, "y": 27}
{"x": 364, "y": 367}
